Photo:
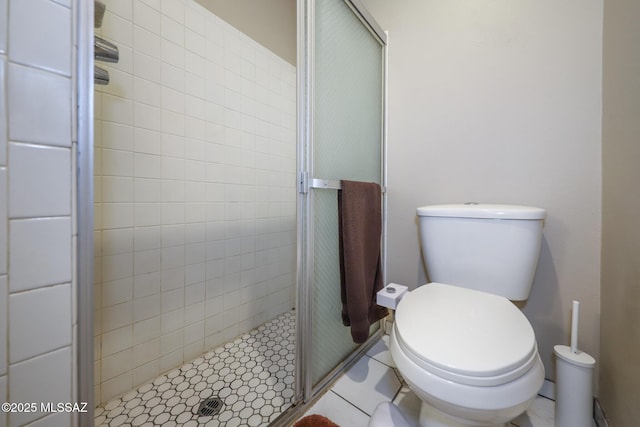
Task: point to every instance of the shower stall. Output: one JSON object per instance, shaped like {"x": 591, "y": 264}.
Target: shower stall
{"x": 213, "y": 212}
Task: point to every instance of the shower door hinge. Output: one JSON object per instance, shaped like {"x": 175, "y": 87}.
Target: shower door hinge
{"x": 303, "y": 183}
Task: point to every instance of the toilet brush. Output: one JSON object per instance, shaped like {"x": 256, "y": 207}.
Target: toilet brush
{"x": 574, "y": 381}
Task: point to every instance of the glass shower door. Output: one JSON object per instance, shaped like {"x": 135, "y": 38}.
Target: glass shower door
{"x": 345, "y": 141}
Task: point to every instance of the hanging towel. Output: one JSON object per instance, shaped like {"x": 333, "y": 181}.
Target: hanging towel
{"x": 360, "y": 229}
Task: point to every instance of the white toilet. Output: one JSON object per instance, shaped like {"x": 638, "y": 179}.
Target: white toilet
{"x": 459, "y": 342}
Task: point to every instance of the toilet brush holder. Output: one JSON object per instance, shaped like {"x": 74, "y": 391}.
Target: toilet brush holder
{"x": 574, "y": 387}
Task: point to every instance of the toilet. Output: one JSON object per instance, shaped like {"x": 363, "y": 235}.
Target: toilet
{"x": 459, "y": 342}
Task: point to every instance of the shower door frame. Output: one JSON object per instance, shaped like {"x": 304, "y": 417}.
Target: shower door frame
{"x": 305, "y": 389}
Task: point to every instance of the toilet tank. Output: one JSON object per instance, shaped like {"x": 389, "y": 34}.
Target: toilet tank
{"x": 489, "y": 248}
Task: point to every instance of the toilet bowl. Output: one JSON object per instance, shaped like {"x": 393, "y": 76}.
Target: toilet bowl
{"x": 459, "y": 342}
{"x": 470, "y": 356}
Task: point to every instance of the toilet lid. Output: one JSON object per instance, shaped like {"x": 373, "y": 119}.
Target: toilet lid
{"x": 465, "y": 335}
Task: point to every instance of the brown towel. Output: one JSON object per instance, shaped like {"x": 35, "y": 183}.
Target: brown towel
{"x": 360, "y": 227}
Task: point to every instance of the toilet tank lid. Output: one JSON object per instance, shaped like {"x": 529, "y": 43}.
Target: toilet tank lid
{"x": 482, "y": 210}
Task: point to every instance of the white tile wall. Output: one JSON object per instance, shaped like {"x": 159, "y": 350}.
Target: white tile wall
{"x": 3, "y": 328}
{"x": 39, "y": 181}
{"x": 40, "y": 252}
{"x": 49, "y": 46}
{"x": 195, "y": 198}
{"x": 3, "y": 26}
{"x": 3, "y": 100}
{"x": 52, "y": 112}
{"x": 33, "y": 335}
{"x": 46, "y": 378}
{"x": 36, "y": 179}
{"x": 3, "y": 221}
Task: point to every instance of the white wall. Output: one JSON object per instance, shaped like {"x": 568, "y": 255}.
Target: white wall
{"x": 271, "y": 23}
{"x": 194, "y": 190}
{"x": 620, "y": 344}
{"x": 37, "y": 222}
{"x": 500, "y": 102}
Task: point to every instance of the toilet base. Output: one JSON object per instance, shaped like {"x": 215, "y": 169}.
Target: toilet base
{"x": 432, "y": 417}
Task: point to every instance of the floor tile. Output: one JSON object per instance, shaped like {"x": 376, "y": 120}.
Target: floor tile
{"x": 408, "y": 403}
{"x": 368, "y": 383}
{"x": 253, "y": 376}
{"x": 339, "y": 411}
{"x": 540, "y": 414}
{"x": 380, "y": 351}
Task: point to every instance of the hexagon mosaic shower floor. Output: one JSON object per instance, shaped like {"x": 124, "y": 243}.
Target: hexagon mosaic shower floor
{"x": 253, "y": 376}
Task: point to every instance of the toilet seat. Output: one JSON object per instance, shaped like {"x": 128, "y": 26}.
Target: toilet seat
{"x": 464, "y": 335}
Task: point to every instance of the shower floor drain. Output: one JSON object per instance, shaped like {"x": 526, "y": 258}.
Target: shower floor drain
{"x": 210, "y": 407}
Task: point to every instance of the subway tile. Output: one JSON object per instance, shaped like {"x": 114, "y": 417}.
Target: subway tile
{"x": 46, "y": 121}
{"x": 147, "y": 67}
{"x": 3, "y": 26}
{"x": 146, "y": 352}
{"x": 117, "y": 109}
{"x": 146, "y": 92}
{"x": 116, "y": 292}
{"x": 117, "y": 29}
{"x": 49, "y": 46}
{"x": 171, "y": 342}
{"x": 117, "y": 241}
{"x": 3, "y": 220}
{"x": 117, "y": 316}
{"x": 146, "y": 329}
{"x": 146, "y": 307}
{"x": 117, "y": 215}
{"x": 116, "y": 136}
{"x": 117, "y": 266}
{"x": 40, "y": 252}
{"x": 116, "y": 364}
{"x": 146, "y": 238}
{"x": 120, "y": 81}
{"x": 194, "y": 42}
{"x": 3, "y": 97}
{"x": 194, "y": 332}
{"x": 45, "y": 378}
{"x": 172, "y": 31}
{"x": 172, "y": 320}
{"x": 172, "y": 280}
{"x": 3, "y": 398}
{"x": 3, "y": 328}
{"x": 173, "y": 235}
{"x": 51, "y": 329}
{"x": 146, "y": 284}
{"x": 147, "y": 214}
{"x": 116, "y": 386}
{"x": 172, "y": 76}
{"x": 173, "y": 9}
{"x": 123, "y": 9}
{"x": 171, "y": 360}
{"x": 60, "y": 419}
{"x": 143, "y": 373}
{"x": 146, "y": 42}
{"x": 196, "y": 17}
{"x": 146, "y": 116}
{"x": 116, "y": 340}
{"x": 39, "y": 181}
{"x": 148, "y": 141}
{"x": 147, "y": 165}
{"x": 147, "y": 261}
{"x": 147, "y": 17}
{"x": 117, "y": 189}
